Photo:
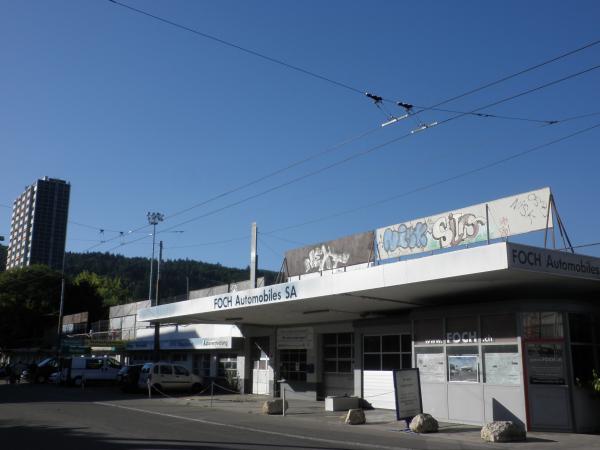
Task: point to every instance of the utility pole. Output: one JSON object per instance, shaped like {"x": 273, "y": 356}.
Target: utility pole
{"x": 61, "y": 306}
{"x": 153, "y": 219}
{"x": 253, "y": 256}
{"x": 160, "y": 250}
{"x": 156, "y": 303}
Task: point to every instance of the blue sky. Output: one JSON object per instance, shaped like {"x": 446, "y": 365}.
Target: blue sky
{"x": 140, "y": 116}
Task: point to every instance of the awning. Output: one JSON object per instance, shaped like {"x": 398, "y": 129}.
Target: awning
{"x": 475, "y": 274}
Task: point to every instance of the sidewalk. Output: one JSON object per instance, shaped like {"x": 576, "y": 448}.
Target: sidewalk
{"x": 379, "y": 420}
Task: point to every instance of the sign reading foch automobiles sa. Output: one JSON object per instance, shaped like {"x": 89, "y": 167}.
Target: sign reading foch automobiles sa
{"x": 553, "y": 261}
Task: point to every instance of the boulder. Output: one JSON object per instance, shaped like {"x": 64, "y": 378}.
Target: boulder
{"x": 424, "y": 423}
{"x": 355, "y": 417}
{"x": 503, "y": 431}
{"x": 274, "y": 406}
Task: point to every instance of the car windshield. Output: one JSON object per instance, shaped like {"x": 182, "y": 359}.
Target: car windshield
{"x": 44, "y": 362}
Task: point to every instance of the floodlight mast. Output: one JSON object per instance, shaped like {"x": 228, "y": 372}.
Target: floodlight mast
{"x": 153, "y": 219}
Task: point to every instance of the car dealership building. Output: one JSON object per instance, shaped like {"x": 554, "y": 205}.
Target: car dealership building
{"x": 498, "y": 330}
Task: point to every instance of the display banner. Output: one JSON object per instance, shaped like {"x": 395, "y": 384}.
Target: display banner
{"x": 407, "y": 389}
{"x": 295, "y": 338}
{"x": 347, "y": 251}
{"x": 521, "y": 213}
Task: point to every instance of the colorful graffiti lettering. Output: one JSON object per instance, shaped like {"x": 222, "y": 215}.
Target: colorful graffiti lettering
{"x": 456, "y": 228}
{"x": 406, "y": 237}
{"x": 323, "y": 258}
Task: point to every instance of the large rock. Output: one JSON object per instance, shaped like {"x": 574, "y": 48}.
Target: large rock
{"x": 355, "y": 417}
{"x": 274, "y": 406}
{"x": 424, "y": 423}
{"x": 503, "y": 431}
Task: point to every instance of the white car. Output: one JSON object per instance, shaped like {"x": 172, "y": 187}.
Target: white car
{"x": 165, "y": 376}
{"x": 90, "y": 368}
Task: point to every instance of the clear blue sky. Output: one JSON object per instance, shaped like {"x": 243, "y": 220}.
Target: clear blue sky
{"x": 140, "y": 116}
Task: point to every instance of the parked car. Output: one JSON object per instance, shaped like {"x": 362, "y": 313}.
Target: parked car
{"x": 167, "y": 376}
{"x": 128, "y": 377}
{"x": 55, "y": 378}
{"x": 39, "y": 372}
{"x": 90, "y": 368}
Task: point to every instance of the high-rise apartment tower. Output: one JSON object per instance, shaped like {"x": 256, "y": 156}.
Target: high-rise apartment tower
{"x": 38, "y": 228}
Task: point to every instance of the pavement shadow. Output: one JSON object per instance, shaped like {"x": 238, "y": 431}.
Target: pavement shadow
{"x": 66, "y": 438}
{"x": 36, "y": 393}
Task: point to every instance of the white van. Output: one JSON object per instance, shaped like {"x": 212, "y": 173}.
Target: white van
{"x": 90, "y": 368}
{"x": 166, "y": 376}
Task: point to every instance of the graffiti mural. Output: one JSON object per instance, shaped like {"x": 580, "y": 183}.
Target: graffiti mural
{"x": 346, "y": 251}
{"x": 323, "y": 258}
{"x": 521, "y": 213}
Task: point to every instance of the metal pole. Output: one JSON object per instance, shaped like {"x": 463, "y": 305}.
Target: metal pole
{"x": 212, "y": 385}
{"x": 187, "y": 286}
{"x": 160, "y": 249}
{"x": 253, "y": 257}
{"x": 152, "y": 261}
{"x": 283, "y": 398}
{"x": 60, "y": 314}
{"x": 487, "y": 222}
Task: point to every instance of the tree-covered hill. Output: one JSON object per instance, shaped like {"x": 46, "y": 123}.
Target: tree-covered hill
{"x": 134, "y": 273}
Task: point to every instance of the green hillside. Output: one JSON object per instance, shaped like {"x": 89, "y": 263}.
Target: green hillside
{"x": 134, "y": 272}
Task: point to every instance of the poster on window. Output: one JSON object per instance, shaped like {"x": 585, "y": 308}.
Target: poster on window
{"x": 431, "y": 367}
{"x": 463, "y": 368}
{"x": 502, "y": 368}
{"x": 545, "y": 364}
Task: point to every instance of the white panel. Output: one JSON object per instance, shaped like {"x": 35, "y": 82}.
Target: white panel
{"x": 128, "y": 322}
{"x": 549, "y": 407}
{"x": 435, "y": 399}
{"x": 504, "y": 403}
{"x": 465, "y": 403}
{"x": 521, "y": 213}
{"x": 115, "y": 324}
{"x": 378, "y": 388}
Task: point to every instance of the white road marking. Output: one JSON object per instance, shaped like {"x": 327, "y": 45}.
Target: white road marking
{"x": 254, "y": 430}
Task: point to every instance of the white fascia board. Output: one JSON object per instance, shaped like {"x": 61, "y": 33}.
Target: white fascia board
{"x": 481, "y": 259}
{"x": 462, "y": 262}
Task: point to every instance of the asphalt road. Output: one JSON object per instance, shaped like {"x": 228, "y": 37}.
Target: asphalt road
{"x": 52, "y": 417}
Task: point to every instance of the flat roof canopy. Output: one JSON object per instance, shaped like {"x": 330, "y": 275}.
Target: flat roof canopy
{"x": 485, "y": 272}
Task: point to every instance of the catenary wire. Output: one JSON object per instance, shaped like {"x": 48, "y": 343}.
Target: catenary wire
{"x": 362, "y": 153}
{"x": 321, "y": 77}
{"x": 205, "y": 35}
{"x": 435, "y": 183}
{"x": 335, "y": 82}
{"x": 239, "y": 47}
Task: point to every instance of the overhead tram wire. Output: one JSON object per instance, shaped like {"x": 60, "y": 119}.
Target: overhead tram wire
{"x": 331, "y": 80}
{"x": 240, "y": 48}
{"x": 363, "y": 153}
{"x": 275, "y": 60}
{"x": 513, "y": 75}
{"x": 435, "y": 183}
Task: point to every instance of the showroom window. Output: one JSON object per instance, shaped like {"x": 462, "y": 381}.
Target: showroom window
{"x": 338, "y": 352}
{"x": 387, "y": 352}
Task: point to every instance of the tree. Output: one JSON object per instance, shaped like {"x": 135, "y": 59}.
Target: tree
{"x": 29, "y": 300}
{"x": 110, "y": 289}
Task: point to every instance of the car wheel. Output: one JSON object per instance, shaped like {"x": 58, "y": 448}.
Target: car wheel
{"x": 196, "y": 387}
{"x": 40, "y": 379}
{"x": 157, "y": 387}
{"x": 77, "y": 381}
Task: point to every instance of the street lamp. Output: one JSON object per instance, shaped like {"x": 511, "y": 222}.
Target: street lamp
{"x": 153, "y": 219}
